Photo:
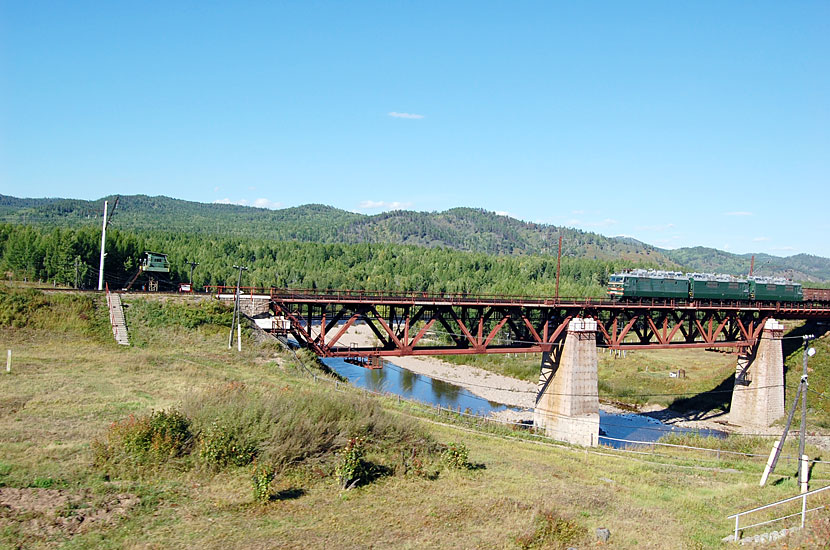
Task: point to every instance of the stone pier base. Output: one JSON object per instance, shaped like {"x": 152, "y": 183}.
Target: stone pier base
{"x": 758, "y": 396}
{"x": 567, "y": 405}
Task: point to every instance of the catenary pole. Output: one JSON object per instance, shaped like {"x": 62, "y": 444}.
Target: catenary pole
{"x": 103, "y": 245}
{"x": 803, "y": 434}
{"x": 236, "y": 302}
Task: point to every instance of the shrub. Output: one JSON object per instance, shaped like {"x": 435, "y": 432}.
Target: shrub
{"x": 549, "y": 530}
{"x": 352, "y": 468}
{"x": 456, "y": 456}
{"x": 156, "y": 437}
{"x": 221, "y": 446}
{"x": 288, "y": 428}
{"x": 261, "y": 478}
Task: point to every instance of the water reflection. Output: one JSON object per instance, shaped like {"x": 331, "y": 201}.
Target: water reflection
{"x": 444, "y": 390}
{"x": 397, "y": 380}
{"x": 394, "y": 379}
{"x": 407, "y": 380}
{"x": 636, "y": 427}
{"x": 377, "y": 380}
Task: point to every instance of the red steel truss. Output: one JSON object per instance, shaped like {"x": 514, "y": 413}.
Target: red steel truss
{"x": 409, "y": 323}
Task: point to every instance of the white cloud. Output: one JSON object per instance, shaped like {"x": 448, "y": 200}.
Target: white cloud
{"x": 577, "y": 212}
{"x": 251, "y": 188}
{"x": 760, "y": 239}
{"x": 216, "y": 189}
{"x": 739, "y": 213}
{"x": 267, "y": 203}
{"x": 404, "y": 115}
{"x": 504, "y": 213}
{"x": 383, "y": 205}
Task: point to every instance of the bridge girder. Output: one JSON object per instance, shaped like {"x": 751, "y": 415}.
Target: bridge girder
{"x": 418, "y": 324}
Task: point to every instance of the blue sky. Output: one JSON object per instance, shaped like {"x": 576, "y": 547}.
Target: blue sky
{"x": 680, "y": 124}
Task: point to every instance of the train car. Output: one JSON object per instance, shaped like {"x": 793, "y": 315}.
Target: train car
{"x": 717, "y": 287}
{"x": 775, "y": 289}
{"x": 816, "y": 294}
{"x": 641, "y": 283}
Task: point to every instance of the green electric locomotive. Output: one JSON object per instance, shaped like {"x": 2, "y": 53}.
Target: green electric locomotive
{"x": 641, "y": 283}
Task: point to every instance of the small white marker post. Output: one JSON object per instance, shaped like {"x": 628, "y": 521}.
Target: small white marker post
{"x": 9, "y": 361}
{"x": 239, "y": 336}
{"x": 805, "y": 466}
{"x": 769, "y": 462}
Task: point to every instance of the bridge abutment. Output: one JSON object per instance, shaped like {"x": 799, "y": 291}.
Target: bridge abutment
{"x": 567, "y": 404}
{"x": 758, "y": 395}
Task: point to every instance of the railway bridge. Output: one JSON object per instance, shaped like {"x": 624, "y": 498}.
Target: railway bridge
{"x": 565, "y": 331}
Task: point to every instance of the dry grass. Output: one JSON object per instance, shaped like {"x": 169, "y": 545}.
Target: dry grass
{"x": 66, "y": 389}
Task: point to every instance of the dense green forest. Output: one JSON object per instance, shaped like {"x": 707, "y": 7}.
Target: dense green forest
{"x": 800, "y": 267}
{"x": 467, "y": 229}
{"x": 463, "y": 229}
{"x": 51, "y": 255}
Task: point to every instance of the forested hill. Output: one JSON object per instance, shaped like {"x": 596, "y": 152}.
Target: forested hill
{"x": 801, "y": 267}
{"x": 465, "y": 229}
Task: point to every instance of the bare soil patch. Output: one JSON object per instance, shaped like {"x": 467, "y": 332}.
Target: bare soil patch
{"x": 46, "y": 513}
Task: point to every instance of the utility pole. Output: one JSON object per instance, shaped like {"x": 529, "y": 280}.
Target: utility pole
{"x": 558, "y": 267}
{"x": 104, "y": 242}
{"x": 192, "y": 267}
{"x": 103, "y": 245}
{"x": 808, "y": 352}
{"x": 802, "y": 392}
{"x": 236, "y": 303}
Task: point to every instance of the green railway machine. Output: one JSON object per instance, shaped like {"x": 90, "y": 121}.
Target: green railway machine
{"x": 151, "y": 264}
{"x": 641, "y": 283}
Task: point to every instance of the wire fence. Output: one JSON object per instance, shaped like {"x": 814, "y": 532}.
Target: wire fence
{"x": 518, "y": 426}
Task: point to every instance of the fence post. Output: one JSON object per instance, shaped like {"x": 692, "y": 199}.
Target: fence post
{"x": 805, "y": 466}
{"x": 9, "y": 361}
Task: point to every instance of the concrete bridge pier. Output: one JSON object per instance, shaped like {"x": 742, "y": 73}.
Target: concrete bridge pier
{"x": 758, "y": 395}
{"x": 567, "y": 404}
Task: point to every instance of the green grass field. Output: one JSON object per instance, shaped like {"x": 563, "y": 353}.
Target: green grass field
{"x": 70, "y": 382}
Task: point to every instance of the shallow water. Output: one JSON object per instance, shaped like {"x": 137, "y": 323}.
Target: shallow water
{"x": 399, "y": 381}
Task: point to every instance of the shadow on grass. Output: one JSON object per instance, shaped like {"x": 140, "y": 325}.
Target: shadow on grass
{"x": 793, "y": 341}
{"x": 288, "y": 494}
{"x": 706, "y": 405}
{"x": 716, "y": 402}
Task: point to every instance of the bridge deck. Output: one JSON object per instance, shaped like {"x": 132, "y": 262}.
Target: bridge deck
{"x": 475, "y": 324}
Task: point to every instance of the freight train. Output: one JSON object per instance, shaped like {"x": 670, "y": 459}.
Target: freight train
{"x": 641, "y": 283}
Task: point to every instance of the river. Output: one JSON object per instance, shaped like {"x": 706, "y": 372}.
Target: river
{"x": 399, "y": 381}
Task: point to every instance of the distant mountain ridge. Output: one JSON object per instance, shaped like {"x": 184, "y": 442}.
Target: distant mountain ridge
{"x": 800, "y": 267}
{"x": 467, "y": 229}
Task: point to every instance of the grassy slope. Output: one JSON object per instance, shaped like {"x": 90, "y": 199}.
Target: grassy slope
{"x": 67, "y": 386}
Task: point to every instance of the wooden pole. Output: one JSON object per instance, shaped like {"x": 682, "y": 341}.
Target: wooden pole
{"x": 558, "y": 267}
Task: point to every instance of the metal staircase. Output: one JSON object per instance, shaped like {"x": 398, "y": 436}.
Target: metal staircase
{"x": 119, "y": 325}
